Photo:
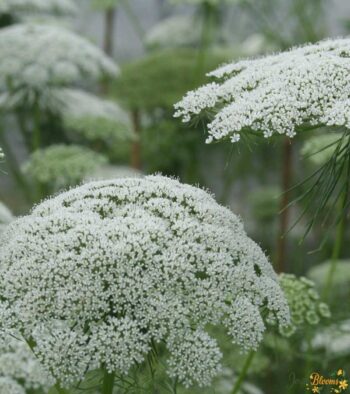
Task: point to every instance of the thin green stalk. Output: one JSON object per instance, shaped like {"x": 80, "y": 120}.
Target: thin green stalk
{"x": 13, "y": 166}
{"x": 36, "y": 136}
{"x": 337, "y": 246}
{"x": 61, "y": 390}
{"x": 244, "y": 372}
{"x": 108, "y": 383}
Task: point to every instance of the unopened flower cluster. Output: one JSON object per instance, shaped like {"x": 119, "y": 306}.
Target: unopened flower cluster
{"x": 306, "y": 86}
{"x": 97, "y": 274}
{"x": 19, "y": 369}
{"x": 304, "y": 302}
{"x": 30, "y": 60}
{"x": 60, "y": 166}
{"x": 93, "y": 117}
{"x": 24, "y": 7}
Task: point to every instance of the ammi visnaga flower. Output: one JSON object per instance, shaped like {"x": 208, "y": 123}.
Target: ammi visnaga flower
{"x": 304, "y": 87}
{"x": 99, "y": 275}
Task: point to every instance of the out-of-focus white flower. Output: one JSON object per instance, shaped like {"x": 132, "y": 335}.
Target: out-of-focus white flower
{"x": 10, "y": 386}
{"x": 341, "y": 277}
{"x": 305, "y": 86}
{"x": 173, "y": 32}
{"x": 18, "y": 363}
{"x": 31, "y": 61}
{"x": 111, "y": 267}
{"x": 255, "y": 44}
{"x": 61, "y": 166}
{"x": 304, "y": 302}
{"x": 335, "y": 339}
{"x": 112, "y": 172}
{"x": 93, "y": 117}
{"x": 2, "y": 155}
{"x": 198, "y": 2}
{"x": 23, "y": 8}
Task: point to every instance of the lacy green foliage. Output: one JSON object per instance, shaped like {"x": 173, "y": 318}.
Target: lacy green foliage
{"x": 31, "y": 62}
{"x": 114, "y": 267}
{"x": 22, "y": 8}
{"x": 61, "y": 166}
{"x": 93, "y": 118}
{"x": 304, "y": 303}
{"x": 277, "y": 94}
{"x": 335, "y": 339}
{"x": 160, "y": 79}
{"x": 265, "y": 202}
{"x": 174, "y": 32}
{"x": 318, "y": 149}
{"x": 18, "y": 366}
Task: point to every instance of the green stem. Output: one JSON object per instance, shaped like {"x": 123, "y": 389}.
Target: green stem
{"x": 36, "y": 140}
{"x": 108, "y": 383}
{"x": 338, "y": 244}
{"x": 13, "y": 167}
{"x": 61, "y": 390}
{"x": 244, "y": 372}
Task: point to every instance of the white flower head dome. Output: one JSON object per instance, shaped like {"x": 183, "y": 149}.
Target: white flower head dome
{"x": 281, "y": 93}
{"x": 93, "y": 117}
{"x": 42, "y": 56}
{"x": 22, "y": 8}
{"x": 104, "y": 270}
{"x": 20, "y": 368}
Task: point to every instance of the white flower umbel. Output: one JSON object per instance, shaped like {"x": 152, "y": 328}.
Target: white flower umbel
{"x": 23, "y": 8}
{"x": 112, "y": 267}
{"x": 10, "y": 386}
{"x": 173, "y": 32}
{"x": 305, "y": 86}
{"x": 30, "y": 60}
{"x": 92, "y": 117}
{"x": 18, "y": 363}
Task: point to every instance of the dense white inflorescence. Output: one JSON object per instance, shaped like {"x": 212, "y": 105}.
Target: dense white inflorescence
{"x": 93, "y": 117}
{"x": 29, "y": 60}
{"x": 18, "y": 364}
{"x": 306, "y": 86}
{"x": 21, "y": 8}
{"x": 112, "y": 267}
{"x": 174, "y": 31}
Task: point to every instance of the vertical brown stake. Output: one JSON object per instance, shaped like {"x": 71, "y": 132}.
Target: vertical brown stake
{"x": 109, "y": 31}
{"x": 136, "y": 147}
{"x": 284, "y": 215}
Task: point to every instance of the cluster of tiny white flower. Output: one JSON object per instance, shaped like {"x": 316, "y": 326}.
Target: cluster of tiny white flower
{"x": 10, "y": 386}
{"x": 93, "y": 117}
{"x": 174, "y": 31}
{"x": 306, "y": 86}
{"x": 18, "y": 364}
{"x": 304, "y": 302}
{"x": 111, "y": 267}
{"x": 60, "y": 166}
{"x": 21, "y": 8}
{"x": 30, "y": 60}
